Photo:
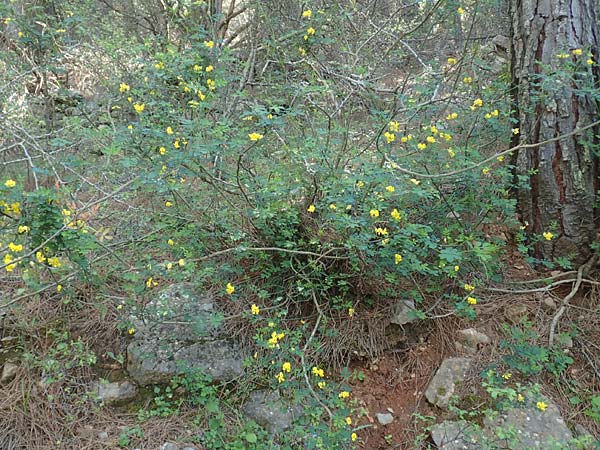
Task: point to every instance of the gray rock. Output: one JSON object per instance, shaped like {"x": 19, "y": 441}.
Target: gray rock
{"x": 169, "y": 446}
{"x": 451, "y": 372}
{"x": 385, "y": 418}
{"x": 268, "y": 410}
{"x": 9, "y": 372}
{"x": 188, "y": 448}
{"x": 450, "y": 435}
{"x": 470, "y": 340}
{"x": 115, "y": 393}
{"x": 103, "y": 435}
{"x": 403, "y": 312}
{"x": 180, "y": 330}
{"x": 534, "y": 429}
{"x": 515, "y": 313}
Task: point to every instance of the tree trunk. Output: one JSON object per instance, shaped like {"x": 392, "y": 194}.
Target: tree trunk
{"x": 559, "y": 180}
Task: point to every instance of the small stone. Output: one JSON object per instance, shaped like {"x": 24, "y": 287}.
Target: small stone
{"x": 103, "y": 435}
{"x": 515, "y": 313}
{"x": 169, "y": 446}
{"x": 385, "y": 418}
{"x": 549, "y": 302}
{"x": 9, "y": 372}
{"x": 442, "y": 387}
{"x": 115, "y": 393}
{"x": 403, "y": 312}
{"x": 470, "y": 340}
{"x": 268, "y": 410}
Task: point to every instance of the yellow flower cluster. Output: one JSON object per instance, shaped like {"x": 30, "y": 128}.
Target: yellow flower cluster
{"x": 317, "y": 372}
{"x": 275, "y": 338}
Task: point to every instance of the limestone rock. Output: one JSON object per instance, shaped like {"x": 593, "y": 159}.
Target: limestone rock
{"x": 385, "y": 418}
{"x": 534, "y": 429}
{"x": 268, "y": 410}
{"x": 115, "y": 393}
{"x": 9, "y": 372}
{"x": 451, "y": 435}
{"x": 470, "y": 340}
{"x": 443, "y": 385}
{"x": 169, "y": 446}
{"x": 180, "y": 330}
{"x": 403, "y": 312}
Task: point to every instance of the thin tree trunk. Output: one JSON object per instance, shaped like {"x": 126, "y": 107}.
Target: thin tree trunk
{"x": 561, "y": 177}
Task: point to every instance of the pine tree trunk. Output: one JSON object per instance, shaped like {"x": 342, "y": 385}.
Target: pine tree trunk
{"x": 562, "y": 176}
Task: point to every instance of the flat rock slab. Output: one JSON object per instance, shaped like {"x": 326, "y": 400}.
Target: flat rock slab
{"x": 470, "y": 340}
{"x": 115, "y": 393}
{"x": 177, "y": 331}
{"x": 268, "y": 410}
{"x": 515, "y": 428}
{"x": 443, "y": 385}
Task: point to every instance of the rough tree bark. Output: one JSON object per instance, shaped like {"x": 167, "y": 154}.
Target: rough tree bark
{"x": 562, "y": 176}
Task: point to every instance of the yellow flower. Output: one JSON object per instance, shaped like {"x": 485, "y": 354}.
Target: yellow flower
{"x": 40, "y": 257}
{"x": 467, "y": 80}
{"x": 351, "y": 311}
{"x": 169, "y": 130}
{"x": 170, "y": 242}
{"x": 168, "y": 204}
{"x": 209, "y": 68}
{"x": 310, "y": 31}
{"x": 381, "y": 231}
{"x": 130, "y": 127}
{"x": 354, "y": 437}
{"x": 460, "y": 10}
{"x": 360, "y": 184}
{"x": 471, "y": 300}
{"x": 397, "y": 258}
{"x": 176, "y": 144}
{"x": 390, "y": 188}
{"x": 131, "y": 330}
{"x": 10, "y": 183}
{"x": 169, "y": 266}
{"x": 58, "y": 287}
{"x": 451, "y": 61}
{"x": 415, "y": 181}
{"x": 451, "y": 153}
{"x": 374, "y": 213}
{"x": 577, "y": 52}
{"x": 307, "y": 14}
{"x": 280, "y": 377}
{"x": 541, "y": 406}
{"x": 181, "y": 262}
{"x": 209, "y": 44}
{"x": 332, "y": 207}
{"x": 469, "y": 287}
{"x": 507, "y": 376}
{"x": 456, "y": 268}
{"x": 485, "y": 170}
{"x": 452, "y": 116}
{"x": 344, "y": 394}
{"x": 54, "y": 262}
{"x": 159, "y": 65}
{"x": 212, "y": 85}
{"x": 477, "y": 103}
{"x": 500, "y": 158}
{"x": 318, "y": 372}
{"x": 255, "y": 136}
{"x": 394, "y": 126}
{"x": 349, "y": 420}
{"x": 515, "y": 131}
{"x": 389, "y": 137}
{"x": 590, "y": 62}
{"x": 123, "y": 87}
{"x": 254, "y": 309}
{"x": 548, "y": 236}
{"x": 321, "y": 384}
{"x": 431, "y": 139}
{"x": 302, "y": 51}
{"x": 23, "y": 229}
{"x": 230, "y": 289}
{"x": 395, "y": 214}
{"x": 15, "y": 247}
{"x": 139, "y": 107}
{"x": 311, "y": 208}
{"x": 421, "y": 146}
{"x": 520, "y": 398}
{"x": 197, "y": 68}
{"x": 162, "y": 151}
{"x": 286, "y": 367}
{"x": 150, "y": 282}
